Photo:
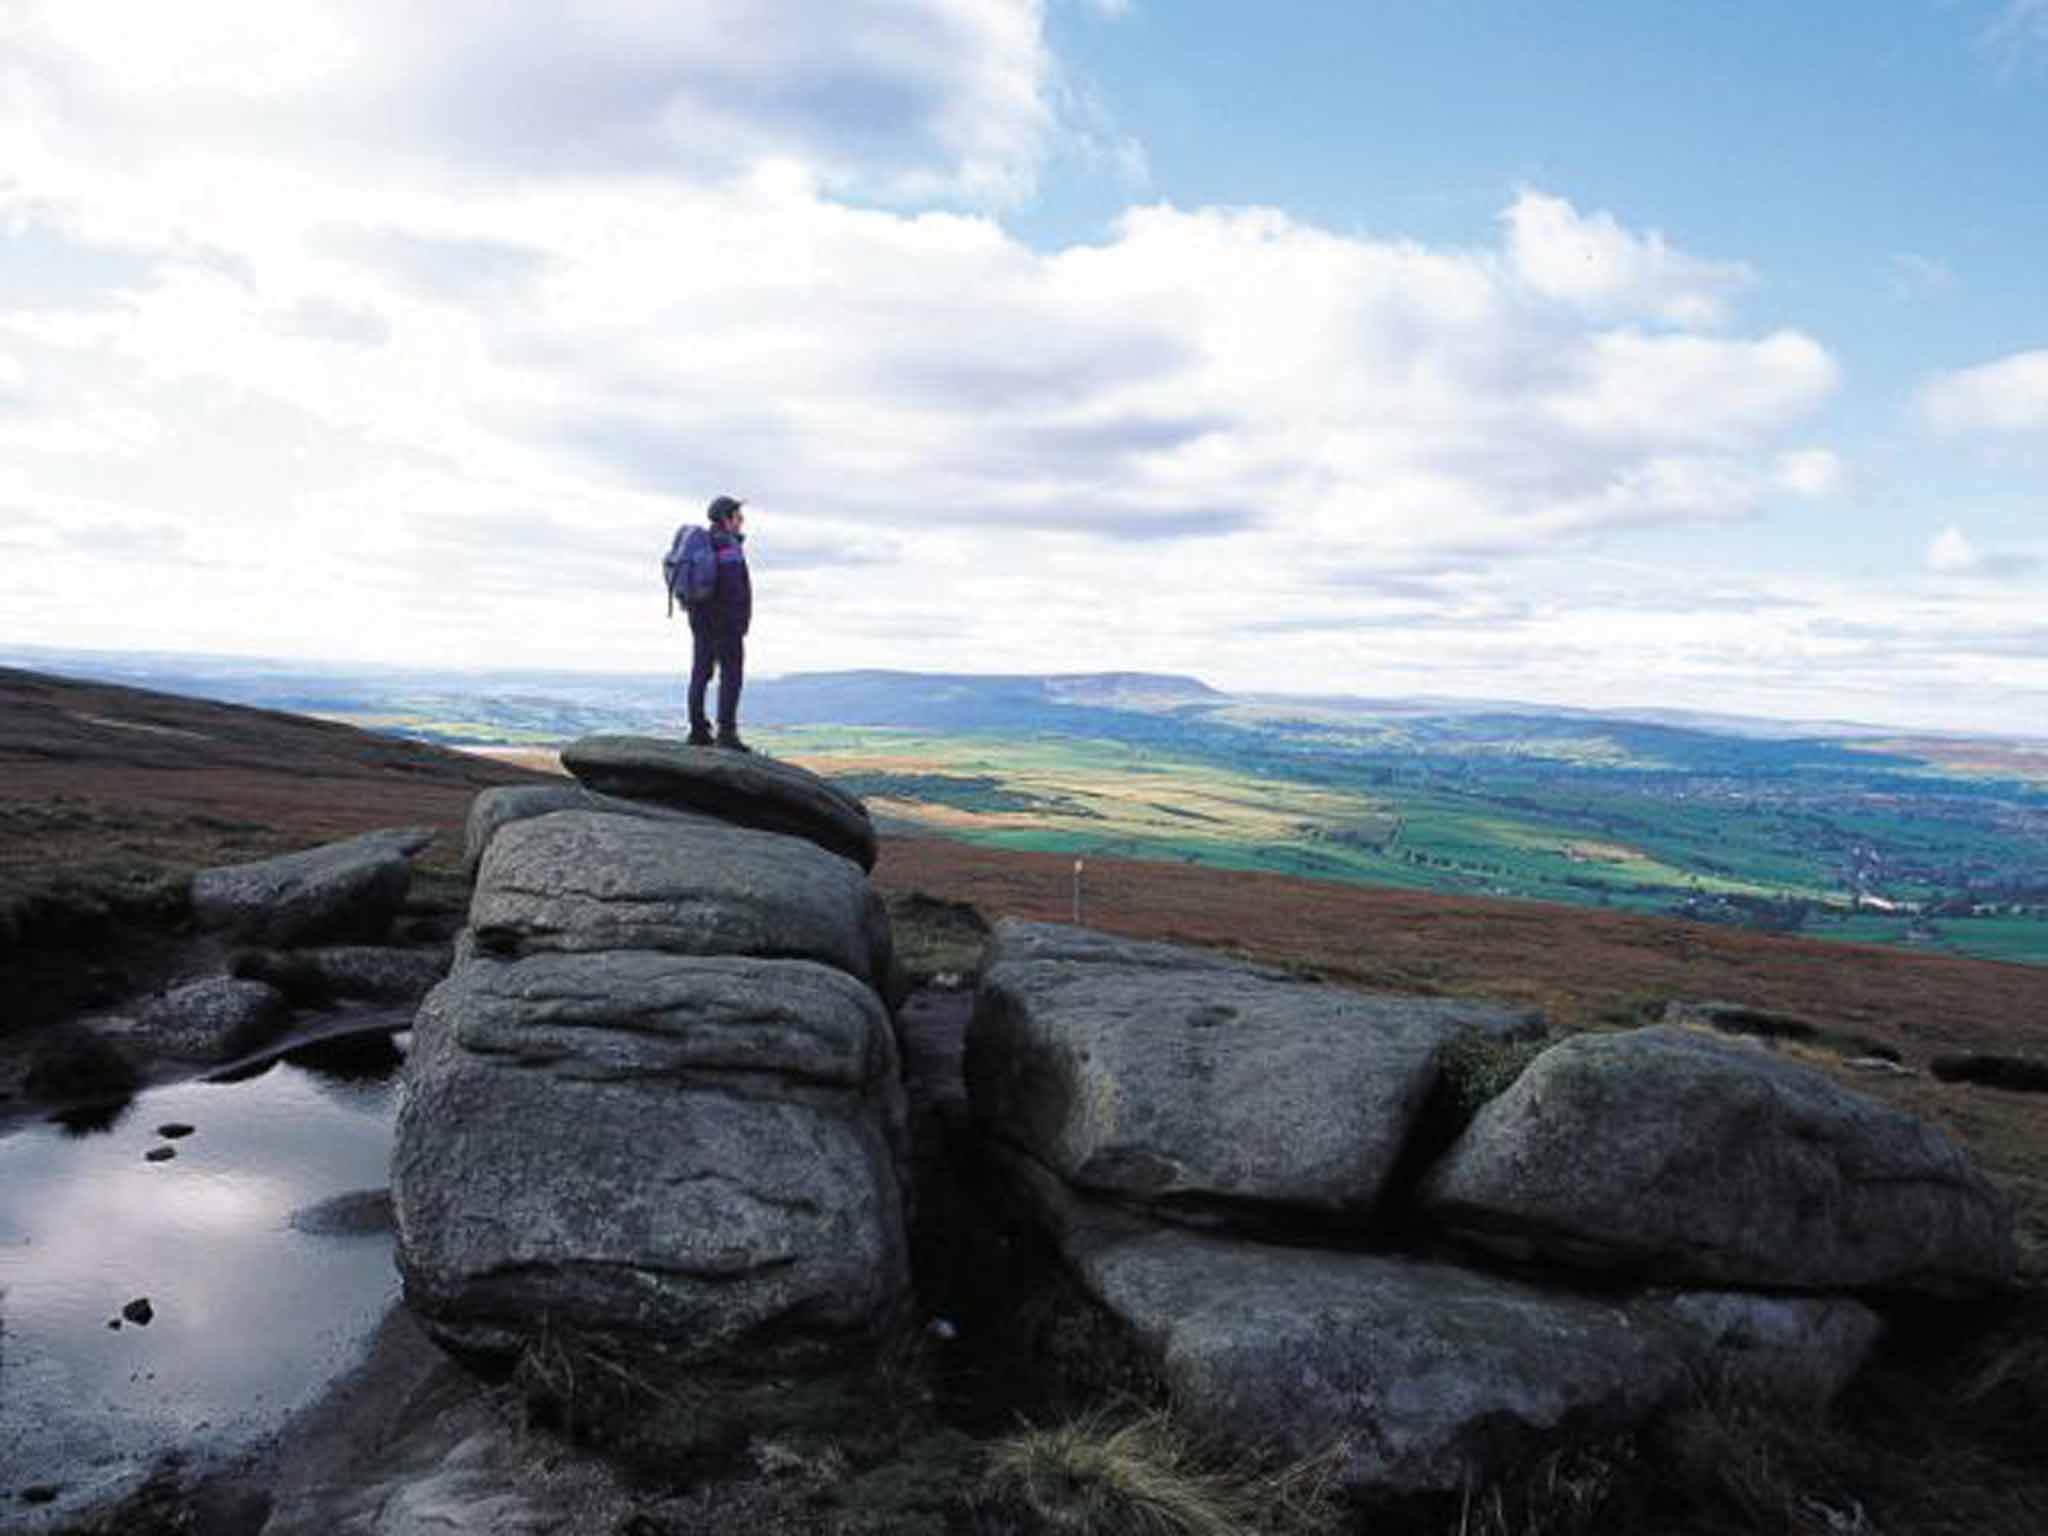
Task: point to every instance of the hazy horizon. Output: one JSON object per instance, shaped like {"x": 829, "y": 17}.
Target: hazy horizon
{"x": 1600, "y": 359}
{"x": 117, "y": 666}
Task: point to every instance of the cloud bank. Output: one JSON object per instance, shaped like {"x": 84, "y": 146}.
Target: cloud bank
{"x": 393, "y": 332}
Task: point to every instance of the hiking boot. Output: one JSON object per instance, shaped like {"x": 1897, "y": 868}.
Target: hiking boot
{"x": 730, "y": 740}
{"x": 700, "y": 736}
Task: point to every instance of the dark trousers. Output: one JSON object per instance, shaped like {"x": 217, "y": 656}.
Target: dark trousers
{"x": 720, "y": 648}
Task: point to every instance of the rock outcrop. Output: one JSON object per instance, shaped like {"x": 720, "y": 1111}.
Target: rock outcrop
{"x": 1670, "y": 1154}
{"x": 1205, "y": 1091}
{"x": 497, "y": 808}
{"x": 1322, "y": 1315}
{"x": 335, "y": 893}
{"x": 591, "y": 881}
{"x": 658, "y": 1098}
{"x": 214, "y": 1020}
{"x": 746, "y": 789}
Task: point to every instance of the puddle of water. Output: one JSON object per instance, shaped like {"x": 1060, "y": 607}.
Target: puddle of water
{"x": 250, "y": 1316}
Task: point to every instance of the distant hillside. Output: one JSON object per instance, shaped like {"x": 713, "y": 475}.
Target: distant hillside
{"x": 1923, "y": 841}
{"x": 969, "y": 702}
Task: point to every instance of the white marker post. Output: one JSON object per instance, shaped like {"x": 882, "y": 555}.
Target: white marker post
{"x": 1077, "y": 893}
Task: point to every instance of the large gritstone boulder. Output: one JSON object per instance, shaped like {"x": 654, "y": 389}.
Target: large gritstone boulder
{"x": 1416, "y": 1377}
{"x": 497, "y": 808}
{"x": 586, "y": 881}
{"x": 1207, "y": 1092}
{"x": 657, "y": 1101}
{"x": 1671, "y": 1154}
{"x": 745, "y": 788}
{"x": 334, "y": 893}
{"x": 693, "y": 1150}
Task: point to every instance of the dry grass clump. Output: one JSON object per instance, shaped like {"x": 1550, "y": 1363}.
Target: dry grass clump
{"x": 1147, "y": 1477}
{"x": 1477, "y": 1068}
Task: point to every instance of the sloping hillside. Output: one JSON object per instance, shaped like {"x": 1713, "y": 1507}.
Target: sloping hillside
{"x": 108, "y": 792}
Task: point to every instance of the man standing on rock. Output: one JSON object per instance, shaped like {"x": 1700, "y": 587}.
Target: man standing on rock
{"x": 718, "y": 630}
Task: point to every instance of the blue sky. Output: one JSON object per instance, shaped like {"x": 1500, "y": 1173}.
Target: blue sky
{"x": 1584, "y": 353}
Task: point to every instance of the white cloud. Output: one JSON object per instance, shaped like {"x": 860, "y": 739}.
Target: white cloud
{"x": 473, "y": 380}
{"x": 1810, "y": 472}
{"x": 1950, "y": 551}
{"x": 1592, "y": 261}
{"x": 898, "y": 98}
{"x": 2009, "y": 395}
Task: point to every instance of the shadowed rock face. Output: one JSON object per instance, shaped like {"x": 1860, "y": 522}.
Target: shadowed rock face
{"x": 1205, "y": 1090}
{"x": 213, "y": 1020}
{"x": 747, "y": 789}
{"x": 647, "y": 1145}
{"x": 1671, "y": 1154}
{"x": 657, "y": 1100}
{"x": 1426, "y": 1377}
{"x": 584, "y": 881}
{"x": 340, "y": 891}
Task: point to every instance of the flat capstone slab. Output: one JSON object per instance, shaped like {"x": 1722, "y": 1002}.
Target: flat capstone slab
{"x": 585, "y": 882}
{"x": 746, "y": 788}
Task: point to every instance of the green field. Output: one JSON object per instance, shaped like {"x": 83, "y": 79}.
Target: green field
{"x": 1726, "y": 856}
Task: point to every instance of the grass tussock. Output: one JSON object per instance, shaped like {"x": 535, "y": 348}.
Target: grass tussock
{"x": 1477, "y": 1069}
{"x": 1145, "y": 1476}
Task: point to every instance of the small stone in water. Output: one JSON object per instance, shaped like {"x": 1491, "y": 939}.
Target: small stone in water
{"x": 39, "y": 1493}
{"x": 171, "y": 1130}
{"x": 139, "y": 1311}
{"x": 160, "y": 1154}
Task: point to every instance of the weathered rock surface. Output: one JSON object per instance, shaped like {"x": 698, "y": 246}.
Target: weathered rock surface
{"x": 687, "y": 1149}
{"x": 1671, "y": 1154}
{"x": 339, "y": 891}
{"x": 582, "y": 881}
{"x": 1210, "y": 1093}
{"x": 381, "y": 972}
{"x": 499, "y": 807}
{"x": 359, "y": 1213}
{"x": 217, "y": 1019}
{"x": 642, "y": 1014}
{"x": 747, "y": 789}
{"x": 1427, "y": 1375}
{"x": 1801, "y": 1350}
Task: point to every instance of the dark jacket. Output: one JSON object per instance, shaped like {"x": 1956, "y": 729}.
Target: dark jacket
{"x": 732, "y": 603}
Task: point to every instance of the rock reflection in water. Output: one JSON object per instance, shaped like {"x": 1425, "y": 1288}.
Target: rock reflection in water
{"x": 251, "y": 1317}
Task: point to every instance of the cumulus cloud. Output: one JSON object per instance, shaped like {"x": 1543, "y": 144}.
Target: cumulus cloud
{"x": 1950, "y": 551}
{"x": 900, "y": 98}
{"x": 474, "y": 370}
{"x": 1810, "y": 472}
{"x": 1592, "y": 261}
{"x": 2008, "y": 395}
{"x": 326, "y": 320}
